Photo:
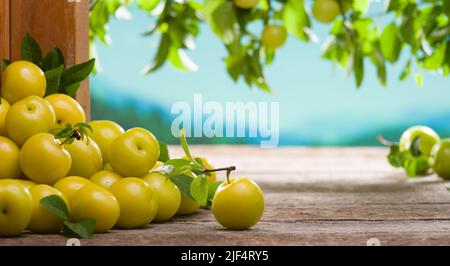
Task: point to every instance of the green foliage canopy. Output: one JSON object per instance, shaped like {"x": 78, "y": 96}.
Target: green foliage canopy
{"x": 420, "y": 28}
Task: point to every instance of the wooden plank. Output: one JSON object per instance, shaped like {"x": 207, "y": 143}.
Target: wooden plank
{"x": 304, "y": 169}
{"x": 266, "y": 233}
{"x": 369, "y": 212}
{"x": 4, "y": 31}
{"x": 54, "y": 23}
{"x": 424, "y": 195}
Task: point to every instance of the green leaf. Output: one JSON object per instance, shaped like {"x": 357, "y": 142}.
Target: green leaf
{"x": 179, "y": 59}
{"x": 361, "y": 6}
{"x": 417, "y": 166}
{"x": 180, "y": 166}
{"x": 65, "y": 132}
{"x": 407, "y": 29}
{"x": 358, "y": 67}
{"x": 84, "y": 126}
{"x": 57, "y": 206}
{"x": 296, "y": 19}
{"x": 447, "y": 61}
{"x": 30, "y": 50}
{"x": 378, "y": 59}
{"x": 161, "y": 54}
{"x": 221, "y": 16}
{"x": 390, "y": 43}
{"x": 397, "y": 5}
{"x": 177, "y": 162}
{"x": 447, "y": 8}
{"x": 270, "y": 56}
{"x": 419, "y": 79}
{"x": 439, "y": 34}
{"x": 53, "y": 60}
{"x": 99, "y": 18}
{"x": 234, "y": 66}
{"x": 199, "y": 189}
{"x": 53, "y": 78}
{"x": 212, "y": 187}
{"x": 75, "y": 74}
{"x": 163, "y": 152}
{"x": 5, "y": 63}
{"x": 148, "y": 5}
{"x": 436, "y": 60}
{"x": 69, "y": 141}
{"x": 255, "y": 70}
{"x": 183, "y": 182}
{"x": 83, "y": 229}
{"x": 394, "y": 157}
{"x": 392, "y": 5}
{"x": 70, "y": 90}
{"x": 411, "y": 160}
{"x": 406, "y": 71}
{"x": 181, "y": 170}
{"x": 185, "y": 146}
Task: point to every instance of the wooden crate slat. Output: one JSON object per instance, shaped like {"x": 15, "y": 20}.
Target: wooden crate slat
{"x": 4, "y": 31}
{"x": 52, "y": 23}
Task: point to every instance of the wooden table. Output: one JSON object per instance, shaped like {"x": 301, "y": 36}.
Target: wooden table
{"x": 314, "y": 196}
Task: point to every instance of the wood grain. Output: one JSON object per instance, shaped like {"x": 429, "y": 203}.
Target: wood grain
{"x": 4, "y": 31}
{"x": 266, "y": 233}
{"x": 54, "y": 23}
{"x": 314, "y": 196}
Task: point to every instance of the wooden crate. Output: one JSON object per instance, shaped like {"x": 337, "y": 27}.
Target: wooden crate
{"x": 62, "y": 23}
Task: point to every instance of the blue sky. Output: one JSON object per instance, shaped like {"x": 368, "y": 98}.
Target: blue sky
{"x": 318, "y": 104}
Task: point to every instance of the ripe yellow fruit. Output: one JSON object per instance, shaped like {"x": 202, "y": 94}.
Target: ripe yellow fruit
{"x": 29, "y": 117}
{"x": 96, "y": 202}
{"x": 187, "y": 206}
{"x": 9, "y": 159}
{"x": 274, "y": 36}
{"x": 105, "y": 178}
{"x": 107, "y": 167}
{"x": 86, "y": 158}
{"x": 4, "y": 108}
{"x": 70, "y": 185}
{"x": 238, "y": 204}
{"x": 138, "y": 202}
{"x": 245, "y": 4}
{"x": 43, "y": 160}
{"x": 326, "y": 10}
{"x": 104, "y": 132}
{"x": 22, "y": 79}
{"x": 169, "y": 195}
{"x": 67, "y": 110}
{"x": 134, "y": 153}
{"x": 43, "y": 220}
{"x": 16, "y": 207}
{"x": 26, "y": 183}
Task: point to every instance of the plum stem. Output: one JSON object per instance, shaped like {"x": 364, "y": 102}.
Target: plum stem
{"x": 384, "y": 141}
{"x": 228, "y": 169}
